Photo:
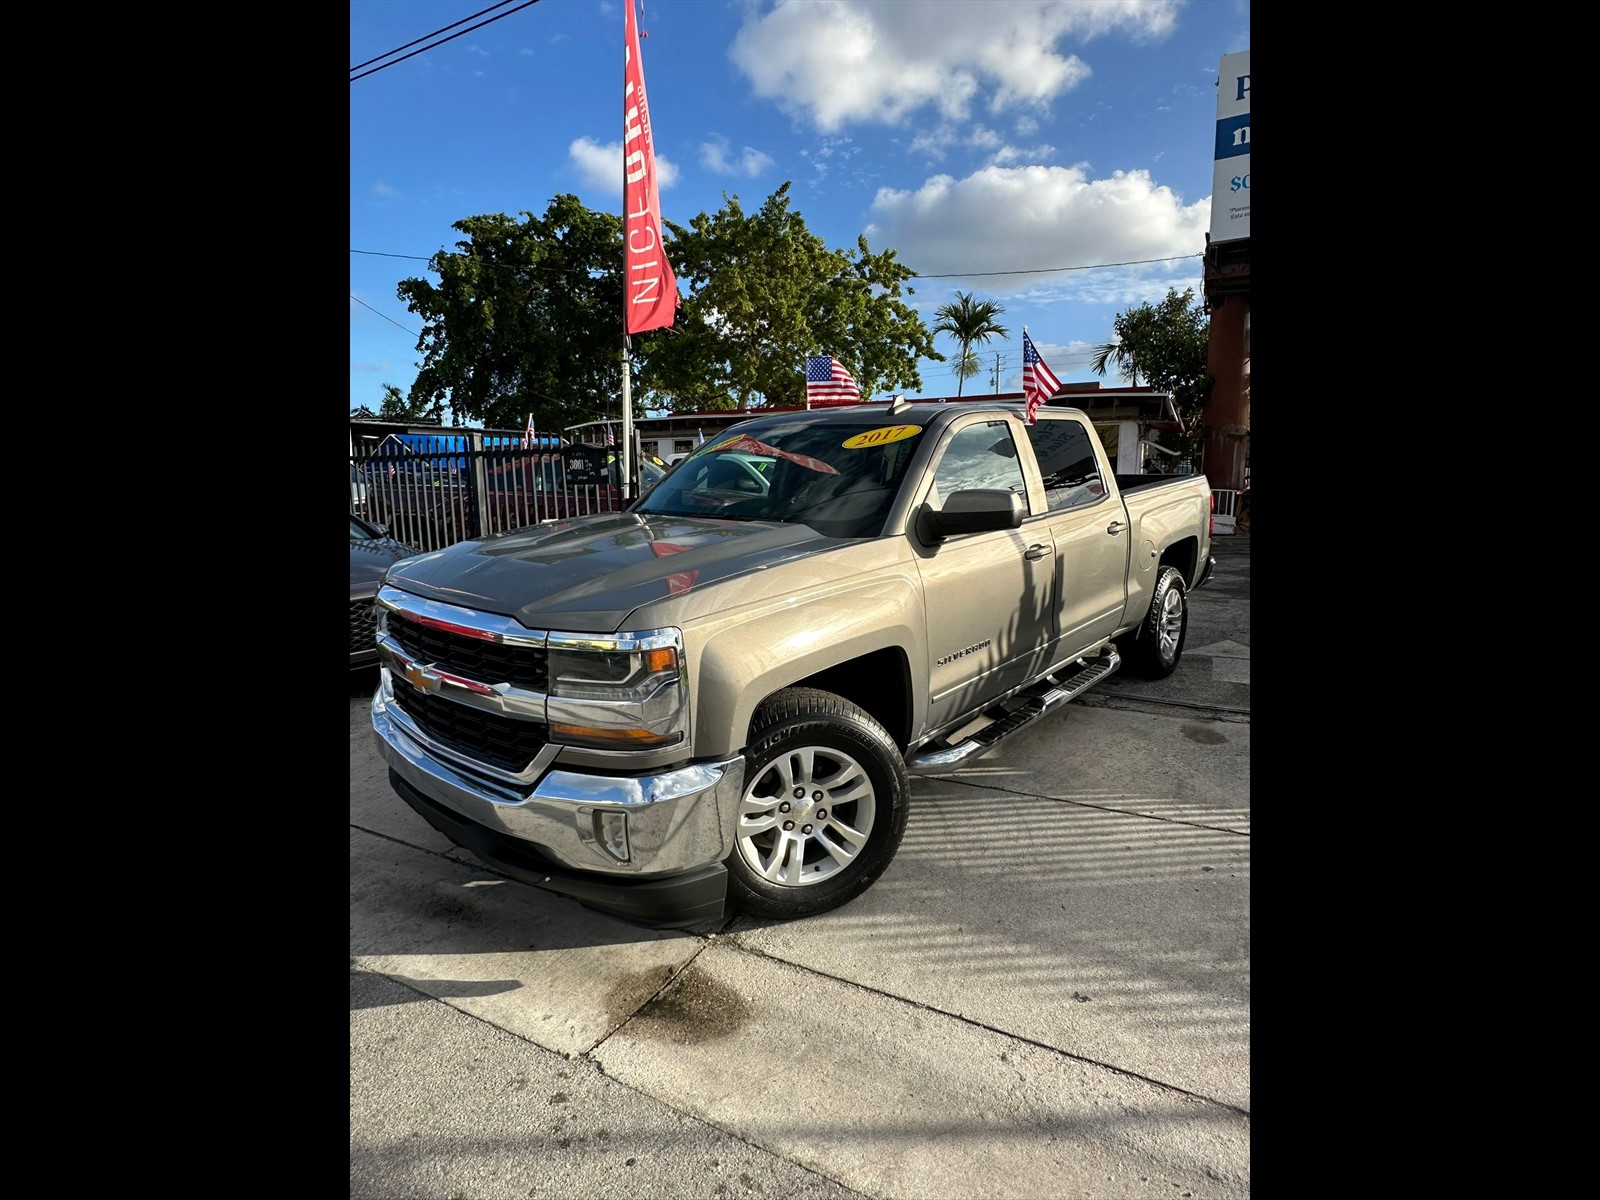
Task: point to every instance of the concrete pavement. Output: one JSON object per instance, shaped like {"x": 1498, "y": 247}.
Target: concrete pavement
{"x": 1046, "y": 995}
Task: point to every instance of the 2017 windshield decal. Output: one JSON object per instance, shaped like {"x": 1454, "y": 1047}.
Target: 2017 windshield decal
{"x": 881, "y": 437}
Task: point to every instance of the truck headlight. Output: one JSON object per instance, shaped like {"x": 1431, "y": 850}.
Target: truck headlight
{"x": 625, "y": 691}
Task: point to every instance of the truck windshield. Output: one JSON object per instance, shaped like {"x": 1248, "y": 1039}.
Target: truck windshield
{"x": 838, "y": 479}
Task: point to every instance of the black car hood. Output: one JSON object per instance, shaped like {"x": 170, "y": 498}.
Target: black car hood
{"x": 369, "y": 559}
{"x": 589, "y": 573}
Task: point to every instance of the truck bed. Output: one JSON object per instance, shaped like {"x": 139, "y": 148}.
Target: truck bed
{"x": 1136, "y": 483}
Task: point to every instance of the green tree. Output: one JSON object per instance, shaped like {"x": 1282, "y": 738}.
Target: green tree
{"x": 968, "y": 321}
{"x": 764, "y": 292}
{"x": 1166, "y": 343}
{"x": 397, "y": 406}
{"x": 526, "y": 317}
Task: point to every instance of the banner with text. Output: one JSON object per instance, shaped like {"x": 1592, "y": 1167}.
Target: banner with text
{"x": 650, "y": 289}
{"x": 1230, "y": 178}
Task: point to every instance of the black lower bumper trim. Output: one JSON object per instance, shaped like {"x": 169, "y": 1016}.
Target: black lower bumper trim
{"x": 689, "y": 900}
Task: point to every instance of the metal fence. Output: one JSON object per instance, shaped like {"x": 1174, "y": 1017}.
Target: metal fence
{"x": 431, "y": 491}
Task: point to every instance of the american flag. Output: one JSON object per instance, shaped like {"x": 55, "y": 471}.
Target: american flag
{"x": 700, "y": 439}
{"x": 529, "y": 439}
{"x": 611, "y": 439}
{"x": 1038, "y": 381}
{"x": 827, "y": 382}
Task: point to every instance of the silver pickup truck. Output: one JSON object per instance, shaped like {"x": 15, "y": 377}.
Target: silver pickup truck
{"x": 715, "y": 698}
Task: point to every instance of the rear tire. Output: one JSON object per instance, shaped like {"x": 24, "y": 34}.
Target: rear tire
{"x": 827, "y": 769}
{"x": 1154, "y": 654}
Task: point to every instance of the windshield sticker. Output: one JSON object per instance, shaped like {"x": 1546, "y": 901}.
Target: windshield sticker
{"x": 744, "y": 441}
{"x": 881, "y": 437}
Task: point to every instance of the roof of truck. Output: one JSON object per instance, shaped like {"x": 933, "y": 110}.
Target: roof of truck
{"x": 904, "y": 412}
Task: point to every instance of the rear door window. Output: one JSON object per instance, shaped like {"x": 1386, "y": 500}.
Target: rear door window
{"x": 1067, "y": 462}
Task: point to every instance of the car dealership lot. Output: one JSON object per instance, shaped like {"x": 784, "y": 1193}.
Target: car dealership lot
{"x": 1046, "y": 994}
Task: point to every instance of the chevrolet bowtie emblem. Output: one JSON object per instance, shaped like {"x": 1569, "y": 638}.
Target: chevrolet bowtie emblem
{"x": 419, "y": 678}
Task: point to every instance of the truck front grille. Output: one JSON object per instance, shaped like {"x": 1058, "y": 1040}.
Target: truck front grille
{"x": 363, "y": 626}
{"x": 502, "y": 742}
{"x": 484, "y": 661}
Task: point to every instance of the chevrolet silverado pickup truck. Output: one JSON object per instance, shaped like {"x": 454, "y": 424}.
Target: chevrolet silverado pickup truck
{"x": 714, "y": 700}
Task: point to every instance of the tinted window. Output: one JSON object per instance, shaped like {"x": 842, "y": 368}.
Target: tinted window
{"x": 1067, "y": 462}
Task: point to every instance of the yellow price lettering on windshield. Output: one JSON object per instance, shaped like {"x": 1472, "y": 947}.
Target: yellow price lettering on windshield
{"x": 882, "y": 437}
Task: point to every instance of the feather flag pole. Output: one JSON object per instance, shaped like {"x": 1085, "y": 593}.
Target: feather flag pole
{"x": 649, "y": 288}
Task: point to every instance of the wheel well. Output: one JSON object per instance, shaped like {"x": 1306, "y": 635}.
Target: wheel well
{"x": 879, "y": 682}
{"x": 1184, "y": 555}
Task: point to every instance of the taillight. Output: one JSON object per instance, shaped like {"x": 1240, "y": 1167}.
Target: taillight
{"x": 1211, "y": 529}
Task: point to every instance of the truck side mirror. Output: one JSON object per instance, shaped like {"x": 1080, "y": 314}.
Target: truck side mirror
{"x": 973, "y": 511}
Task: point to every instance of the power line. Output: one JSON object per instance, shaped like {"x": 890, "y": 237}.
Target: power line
{"x": 391, "y": 320}
{"x": 435, "y": 33}
{"x": 383, "y": 254}
{"x": 1137, "y": 262}
{"x": 442, "y": 41}
{"x": 1069, "y": 359}
{"x": 1067, "y": 362}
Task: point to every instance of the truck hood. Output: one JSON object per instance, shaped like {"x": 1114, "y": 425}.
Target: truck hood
{"x": 587, "y": 574}
{"x": 370, "y": 559}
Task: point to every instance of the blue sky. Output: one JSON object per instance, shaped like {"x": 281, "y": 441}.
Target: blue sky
{"x": 968, "y": 135}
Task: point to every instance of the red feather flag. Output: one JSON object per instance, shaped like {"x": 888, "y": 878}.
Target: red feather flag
{"x": 649, "y": 286}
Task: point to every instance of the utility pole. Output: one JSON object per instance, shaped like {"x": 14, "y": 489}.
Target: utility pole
{"x": 994, "y": 379}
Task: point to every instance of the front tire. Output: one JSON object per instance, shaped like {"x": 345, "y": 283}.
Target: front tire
{"x": 1154, "y": 654}
{"x": 827, "y": 770}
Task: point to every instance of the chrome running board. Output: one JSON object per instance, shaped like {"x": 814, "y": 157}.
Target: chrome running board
{"x": 1028, "y": 706}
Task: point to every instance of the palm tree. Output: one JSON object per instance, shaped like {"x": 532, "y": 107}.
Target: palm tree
{"x": 1138, "y": 333}
{"x": 1122, "y": 353}
{"x": 968, "y": 321}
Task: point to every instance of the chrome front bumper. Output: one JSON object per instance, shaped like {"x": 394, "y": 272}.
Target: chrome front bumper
{"x": 677, "y": 820}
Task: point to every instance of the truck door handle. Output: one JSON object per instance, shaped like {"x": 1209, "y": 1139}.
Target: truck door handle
{"x": 1037, "y": 551}
{"x": 1115, "y": 527}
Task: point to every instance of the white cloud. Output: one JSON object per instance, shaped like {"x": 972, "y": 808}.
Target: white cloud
{"x": 600, "y": 166}
{"x": 1007, "y": 155}
{"x": 714, "y": 157}
{"x": 1004, "y": 218}
{"x": 842, "y": 148}
{"x": 937, "y": 140}
{"x": 839, "y": 61}
{"x": 383, "y": 190}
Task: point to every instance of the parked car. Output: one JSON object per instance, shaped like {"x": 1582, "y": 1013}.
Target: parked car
{"x": 433, "y": 507}
{"x": 358, "y": 491}
{"x": 372, "y": 552}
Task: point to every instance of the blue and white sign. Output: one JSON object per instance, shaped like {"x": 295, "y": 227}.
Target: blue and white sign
{"x": 1230, "y": 178}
